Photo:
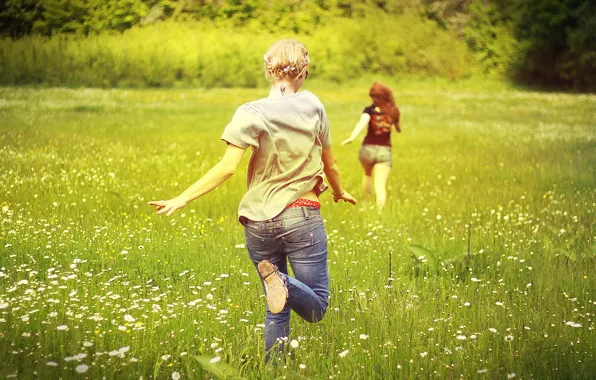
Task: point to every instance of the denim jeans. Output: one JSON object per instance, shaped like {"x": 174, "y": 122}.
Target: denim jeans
{"x": 298, "y": 235}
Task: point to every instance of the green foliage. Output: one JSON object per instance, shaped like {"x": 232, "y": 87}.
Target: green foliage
{"x": 542, "y": 41}
{"x": 218, "y": 369}
{"x": 386, "y": 45}
{"x": 578, "y": 63}
{"x": 170, "y": 54}
{"x": 86, "y": 16}
{"x": 17, "y": 17}
{"x": 491, "y": 37}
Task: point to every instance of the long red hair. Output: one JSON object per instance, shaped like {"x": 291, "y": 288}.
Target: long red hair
{"x": 382, "y": 97}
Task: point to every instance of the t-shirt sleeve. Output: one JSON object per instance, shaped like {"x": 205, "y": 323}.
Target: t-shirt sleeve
{"x": 369, "y": 110}
{"x": 324, "y": 133}
{"x": 244, "y": 129}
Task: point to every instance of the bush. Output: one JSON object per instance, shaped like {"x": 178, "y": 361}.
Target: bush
{"x": 199, "y": 54}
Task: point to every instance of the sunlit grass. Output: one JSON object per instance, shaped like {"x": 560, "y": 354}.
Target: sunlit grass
{"x": 93, "y": 284}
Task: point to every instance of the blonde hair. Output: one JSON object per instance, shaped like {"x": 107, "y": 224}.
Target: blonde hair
{"x": 286, "y": 59}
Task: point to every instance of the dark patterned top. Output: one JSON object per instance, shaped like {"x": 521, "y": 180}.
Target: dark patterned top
{"x": 379, "y": 127}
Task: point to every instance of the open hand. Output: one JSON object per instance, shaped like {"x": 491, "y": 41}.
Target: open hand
{"x": 168, "y": 207}
{"x": 345, "y": 196}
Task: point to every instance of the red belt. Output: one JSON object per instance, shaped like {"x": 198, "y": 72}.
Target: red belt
{"x": 301, "y": 202}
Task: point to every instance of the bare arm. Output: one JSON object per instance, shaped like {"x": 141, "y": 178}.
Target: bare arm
{"x": 217, "y": 175}
{"x": 362, "y": 123}
{"x": 331, "y": 170}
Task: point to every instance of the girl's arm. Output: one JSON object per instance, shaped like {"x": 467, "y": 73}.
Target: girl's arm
{"x": 217, "y": 175}
{"x": 362, "y": 123}
{"x": 332, "y": 173}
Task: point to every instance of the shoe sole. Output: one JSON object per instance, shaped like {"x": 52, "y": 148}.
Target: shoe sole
{"x": 275, "y": 289}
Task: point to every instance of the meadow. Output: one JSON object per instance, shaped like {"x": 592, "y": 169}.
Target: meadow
{"x": 482, "y": 265}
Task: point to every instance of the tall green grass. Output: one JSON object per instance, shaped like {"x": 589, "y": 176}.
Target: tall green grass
{"x": 91, "y": 279}
{"x": 194, "y": 54}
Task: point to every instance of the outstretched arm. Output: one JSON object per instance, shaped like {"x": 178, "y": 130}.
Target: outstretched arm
{"x": 217, "y": 175}
{"x": 362, "y": 123}
{"x": 332, "y": 173}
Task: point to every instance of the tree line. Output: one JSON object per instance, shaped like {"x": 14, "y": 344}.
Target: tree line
{"x": 546, "y": 42}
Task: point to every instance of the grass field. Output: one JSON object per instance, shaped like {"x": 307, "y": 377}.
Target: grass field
{"x": 94, "y": 285}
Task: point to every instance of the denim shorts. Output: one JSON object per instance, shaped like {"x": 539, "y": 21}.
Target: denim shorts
{"x": 370, "y": 155}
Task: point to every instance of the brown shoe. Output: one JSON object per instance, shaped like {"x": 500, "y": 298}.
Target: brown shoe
{"x": 275, "y": 287}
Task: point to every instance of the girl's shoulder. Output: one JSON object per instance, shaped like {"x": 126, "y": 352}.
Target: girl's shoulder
{"x": 371, "y": 110}
{"x": 313, "y": 98}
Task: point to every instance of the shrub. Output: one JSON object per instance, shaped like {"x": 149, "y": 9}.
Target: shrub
{"x": 199, "y": 54}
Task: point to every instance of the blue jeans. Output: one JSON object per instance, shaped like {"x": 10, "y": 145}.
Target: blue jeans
{"x": 298, "y": 235}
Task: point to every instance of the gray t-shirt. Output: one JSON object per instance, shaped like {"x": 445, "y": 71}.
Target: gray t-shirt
{"x": 287, "y": 135}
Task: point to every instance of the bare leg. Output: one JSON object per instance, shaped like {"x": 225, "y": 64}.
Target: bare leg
{"x": 381, "y": 173}
{"x": 367, "y": 181}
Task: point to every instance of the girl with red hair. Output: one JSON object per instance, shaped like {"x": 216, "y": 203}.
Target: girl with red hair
{"x": 375, "y": 153}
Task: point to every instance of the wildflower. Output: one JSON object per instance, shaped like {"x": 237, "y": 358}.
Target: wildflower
{"x": 511, "y": 375}
{"x": 294, "y": 343}
{"x": 302, "y": 366}
{"x": 363, "y": 336}
{"x": 573, "y": 324}
{"x": 461, "y": 337}
{"x": 343, "y": 353}
{"x": 129, "y": 318}
{"x": 62, "y": 328}
{"x": 52, "y": 364}
{"x": 423, "y": 354}
{"x": 483, "y": 370}
{"x": 492, "y": 329}
{"x": 508, "y": 338}
{"x": 82, "y": 368}
{"x": 175, "y": 375}
{"x": 215, "y": 360}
